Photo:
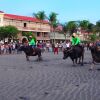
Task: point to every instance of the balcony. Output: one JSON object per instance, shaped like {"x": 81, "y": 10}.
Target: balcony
{"x": 33, "y": 29}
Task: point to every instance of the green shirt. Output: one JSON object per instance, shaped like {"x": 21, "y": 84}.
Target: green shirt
{"x": 75, "y": 41}
{"x": 32, "y": 42}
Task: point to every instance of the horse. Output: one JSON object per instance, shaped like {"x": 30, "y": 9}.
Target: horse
{"x": 29, "y": 51}
{"x": 74, "y": 53}
{"x": 95, "y": 52}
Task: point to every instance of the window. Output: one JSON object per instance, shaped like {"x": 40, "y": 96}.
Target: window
{"x": 25, "y": 24}
{"x": 45, "y": 34}
{"x": 38, "y": 33}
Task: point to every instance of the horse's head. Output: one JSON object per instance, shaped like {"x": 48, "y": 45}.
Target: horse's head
{"x": 66, "y": 53}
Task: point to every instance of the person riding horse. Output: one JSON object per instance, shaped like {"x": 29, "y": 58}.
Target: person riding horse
{"x": 32, "y": 43}
{"x": 29, "y": 51}
{"x": 76, "y": 51}
{"x": 75, "y": 41}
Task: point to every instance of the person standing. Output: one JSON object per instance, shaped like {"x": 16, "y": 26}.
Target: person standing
{"x": 56, "y": 48}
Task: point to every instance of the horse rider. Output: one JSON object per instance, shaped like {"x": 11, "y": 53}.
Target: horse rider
{"x": 75, "y": 41}
{"x": 32, "y": 43}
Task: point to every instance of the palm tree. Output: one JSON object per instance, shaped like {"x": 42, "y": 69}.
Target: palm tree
{"x": 72, "y": 26}
{"x": 97, "y": 28}
{"x": 84, "y": 25}
{"x": 52, "y": 19}
{"x": 65, "y": 29}
{"x": 41, "y": 16}
{"x": 90, "y": 28}
{"x": 53, "y": 22}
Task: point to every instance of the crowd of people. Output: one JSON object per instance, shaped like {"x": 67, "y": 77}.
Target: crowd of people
{"x": 12, "y": 47}
{"x": 9, "y": 48}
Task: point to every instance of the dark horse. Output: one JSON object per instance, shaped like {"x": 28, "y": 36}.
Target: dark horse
{"x": 95, "y": 52}
{"x": 28, "y": 50}
{"x": 74, "y": 53}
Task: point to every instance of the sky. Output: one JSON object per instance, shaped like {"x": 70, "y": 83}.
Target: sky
{"x": 67, "y": 10}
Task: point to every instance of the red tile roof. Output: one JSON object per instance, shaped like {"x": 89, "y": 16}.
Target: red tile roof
{"x": 23, "y": 18}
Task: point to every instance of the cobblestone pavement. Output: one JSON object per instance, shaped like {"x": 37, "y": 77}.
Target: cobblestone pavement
{"x": 51, "y": 79}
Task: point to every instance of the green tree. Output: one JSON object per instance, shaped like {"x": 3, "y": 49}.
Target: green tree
{"x": 53, "y": 23}
{"x": 72, "y": 26}
{"x": 84, "y": 25}
{"x": 90, "y": 28}
{"x": 40, "y": 16}
{"x": 52, "y": 19}
{"x": 29, "y": 34}
{"x": 65, "y": 29}
{"x": 97, "y": 28}
{"x": 11, "y": 31}
{"x": 92, "y": 37}
{"x": 2, "y": 33}
{"x": 8, "y": 32}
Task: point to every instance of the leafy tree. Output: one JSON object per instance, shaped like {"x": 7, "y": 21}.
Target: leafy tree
{"x": 2, "y": 32}
{"x": 52, "y": 19}
{"x": 41, "y": 16}
{"x": 90, "y": 28}
{"x": 72, "y": 26}
{"x": 96, "y": 29}
{"x": 65, "y": 29}
{"x": 29, "y": 34}
{"x": 53, "y": 22}
{"x": 8, "y": 32}
{"x": 84, "y": 25}
{"x": 92, "y": 37}
{"x": 11, "y": 31}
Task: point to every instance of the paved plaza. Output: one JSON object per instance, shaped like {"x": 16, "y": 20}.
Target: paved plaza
{"x": 50, "y": 79}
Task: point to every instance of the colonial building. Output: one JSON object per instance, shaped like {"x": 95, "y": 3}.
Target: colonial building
{"x": 40, "y": 29}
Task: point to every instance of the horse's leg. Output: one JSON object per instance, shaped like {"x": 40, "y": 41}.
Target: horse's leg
{"x": 73, "y": 62}
{"x": 27, "y": 58}
{"x": 82, "y": 58}
{"x": 79, "y": 60}
{"x": 39, "y": 56}
{"x": 92, "y": 65}
{"x": 76, "y": 60}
